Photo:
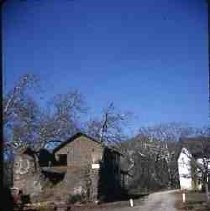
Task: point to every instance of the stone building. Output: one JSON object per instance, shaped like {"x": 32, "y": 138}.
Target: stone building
{"x": 79, "y": 166}
{"x": 26, "y": 173}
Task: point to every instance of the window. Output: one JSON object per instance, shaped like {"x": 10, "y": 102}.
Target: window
{"x": 62, "y": 159}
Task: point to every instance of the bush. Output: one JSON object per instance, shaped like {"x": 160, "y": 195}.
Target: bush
{"x": 75, "y": 198}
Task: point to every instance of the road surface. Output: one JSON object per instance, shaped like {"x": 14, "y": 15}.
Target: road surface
{"x": 159, "y": 201}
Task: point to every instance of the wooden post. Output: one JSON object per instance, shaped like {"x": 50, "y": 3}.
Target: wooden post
{"x": 183, "y": 196}
{"x": 131, "y": 202}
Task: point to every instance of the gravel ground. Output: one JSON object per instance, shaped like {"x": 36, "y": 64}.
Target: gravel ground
{"x": 159, "y": 201}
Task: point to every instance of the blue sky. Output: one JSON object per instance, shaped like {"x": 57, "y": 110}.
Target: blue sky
{"x": 149, "y": 57}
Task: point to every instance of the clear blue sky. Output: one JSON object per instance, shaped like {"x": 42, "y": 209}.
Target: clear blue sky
{"x": 149, "y": 57}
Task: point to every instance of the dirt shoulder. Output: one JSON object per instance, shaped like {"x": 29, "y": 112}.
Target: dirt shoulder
{"x": 195, "y": 201}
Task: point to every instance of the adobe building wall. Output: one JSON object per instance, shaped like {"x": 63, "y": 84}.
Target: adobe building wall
{"x": 80, "y": 178}
{"x": 81, "y": 151}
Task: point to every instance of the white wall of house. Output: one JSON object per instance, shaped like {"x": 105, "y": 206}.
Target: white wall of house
{"x": 184, "y": 169}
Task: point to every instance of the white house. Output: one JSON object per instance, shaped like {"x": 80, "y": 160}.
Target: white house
{"x": 184, "y": 169}
{"x": 194, "y": 154}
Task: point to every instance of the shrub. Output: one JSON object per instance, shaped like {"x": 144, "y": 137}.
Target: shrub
{"x": 75, "y": 198}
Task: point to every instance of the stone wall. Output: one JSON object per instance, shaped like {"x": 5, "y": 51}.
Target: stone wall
{"x": 80, "y": 181}
{"x": 26, "y": 176}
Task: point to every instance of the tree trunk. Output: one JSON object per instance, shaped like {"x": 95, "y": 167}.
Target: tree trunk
{"x": 207, "y": 189}
{"x": 170, "y": 176}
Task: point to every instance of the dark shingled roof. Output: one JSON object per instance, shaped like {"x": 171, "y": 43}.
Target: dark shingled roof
{"x": 198, "y": 146}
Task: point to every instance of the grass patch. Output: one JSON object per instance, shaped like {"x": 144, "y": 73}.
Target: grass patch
{"x": 195, "y": 201}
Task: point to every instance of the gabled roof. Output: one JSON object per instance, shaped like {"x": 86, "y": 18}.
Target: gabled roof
{"x": 77, "y": 135}
{"x": 80, "y": 134}
{"x": 198, "y": 146}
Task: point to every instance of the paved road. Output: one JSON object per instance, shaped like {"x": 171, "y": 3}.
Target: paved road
{"x": 159, "y": 201}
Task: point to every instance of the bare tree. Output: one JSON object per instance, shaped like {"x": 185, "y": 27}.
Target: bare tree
{"x": 110, "y": 128}
{"x": 18, "y": 108}
{"x": 15, "y": 97}
{"x": 157, "y": 146}
{"x": 28, "y": 124}
{"x": 61, "y": 120}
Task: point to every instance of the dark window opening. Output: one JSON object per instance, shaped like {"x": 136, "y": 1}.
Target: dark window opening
{"x": 62, "y": 159}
